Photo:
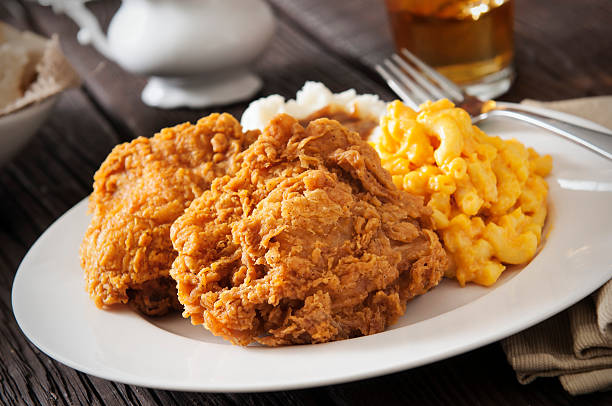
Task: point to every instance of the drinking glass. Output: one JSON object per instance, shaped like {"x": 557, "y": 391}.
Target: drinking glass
{"x": 469, "y": 41}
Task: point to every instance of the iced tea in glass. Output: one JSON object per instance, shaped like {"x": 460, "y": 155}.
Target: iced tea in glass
{"x": 468, "y": 41}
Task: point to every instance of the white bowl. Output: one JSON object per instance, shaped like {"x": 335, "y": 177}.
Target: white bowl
{"x": 18, "y": 127}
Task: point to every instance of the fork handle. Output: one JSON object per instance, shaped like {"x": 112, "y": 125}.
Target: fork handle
{"x": 596, "y": 141}
{"x": 545, "y": 115}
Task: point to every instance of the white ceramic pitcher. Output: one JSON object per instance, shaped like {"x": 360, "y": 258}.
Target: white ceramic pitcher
{"x": 196, "y": 52}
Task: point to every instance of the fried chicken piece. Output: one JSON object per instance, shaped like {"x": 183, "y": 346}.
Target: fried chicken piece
{"x": 309, "y": 242}
{"x": 139, "y": 190}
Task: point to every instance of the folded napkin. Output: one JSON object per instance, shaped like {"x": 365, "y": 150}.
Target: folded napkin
{"x": 597, "y": 109}
{"x": 575, "y": 345}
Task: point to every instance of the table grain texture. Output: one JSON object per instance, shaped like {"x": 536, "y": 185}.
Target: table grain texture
{"x": 563, "y": 50}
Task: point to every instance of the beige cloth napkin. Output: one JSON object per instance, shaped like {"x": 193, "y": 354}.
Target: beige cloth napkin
{"x": 597, "y": 109}
{"x": 575, "y": 345}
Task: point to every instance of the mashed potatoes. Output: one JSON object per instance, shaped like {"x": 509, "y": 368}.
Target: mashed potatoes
{"x": 488, "y": 195}
{"x": 311, "y": 102}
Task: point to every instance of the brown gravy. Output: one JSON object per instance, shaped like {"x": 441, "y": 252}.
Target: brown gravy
{"x": 352, "y": 121}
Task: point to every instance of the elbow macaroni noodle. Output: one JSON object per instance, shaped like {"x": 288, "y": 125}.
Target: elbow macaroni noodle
{"x": 488, "y": 195}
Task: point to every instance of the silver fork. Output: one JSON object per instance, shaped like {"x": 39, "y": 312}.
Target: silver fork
{"x": 415, "y": 82}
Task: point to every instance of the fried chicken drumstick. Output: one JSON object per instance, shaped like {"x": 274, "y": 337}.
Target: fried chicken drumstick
{"x": 139, "y": 190}
{"x": 308, "y": 242}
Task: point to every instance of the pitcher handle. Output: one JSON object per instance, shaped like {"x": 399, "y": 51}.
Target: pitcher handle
{"x": 89, "y": 28}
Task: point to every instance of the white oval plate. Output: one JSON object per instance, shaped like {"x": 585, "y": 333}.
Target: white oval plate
{"x": 55, "y": 313}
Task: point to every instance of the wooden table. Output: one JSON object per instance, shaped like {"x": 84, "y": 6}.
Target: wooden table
{"x": 564, "y": 50}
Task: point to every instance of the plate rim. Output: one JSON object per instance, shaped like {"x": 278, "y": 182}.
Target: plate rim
{"x": 356, "y": 375}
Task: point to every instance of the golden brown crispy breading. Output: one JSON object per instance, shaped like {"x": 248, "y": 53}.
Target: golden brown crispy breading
{"x": 139, "y": 190}
{"x": 309, "y": 242}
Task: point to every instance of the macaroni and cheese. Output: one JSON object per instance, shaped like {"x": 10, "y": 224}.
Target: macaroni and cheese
{"x": 488, "y": 195}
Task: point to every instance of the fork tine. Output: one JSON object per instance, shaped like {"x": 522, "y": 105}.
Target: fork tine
{"x": 434, "y": 92}
{"x": 419, "y": 95}
{"x": 397, "y": 88}
{"x": 449, "y": 87}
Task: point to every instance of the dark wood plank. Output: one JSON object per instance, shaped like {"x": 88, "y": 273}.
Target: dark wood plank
{"x": 480, "y": 377}
{"x": 334, "y": 42}
{"x": 51, "y": 174}
{"x": 563, "y": 48}
{"x": 356, "y": 30}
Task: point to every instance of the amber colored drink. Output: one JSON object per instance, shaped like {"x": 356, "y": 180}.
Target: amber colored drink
{"x": 465, "y": 40}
